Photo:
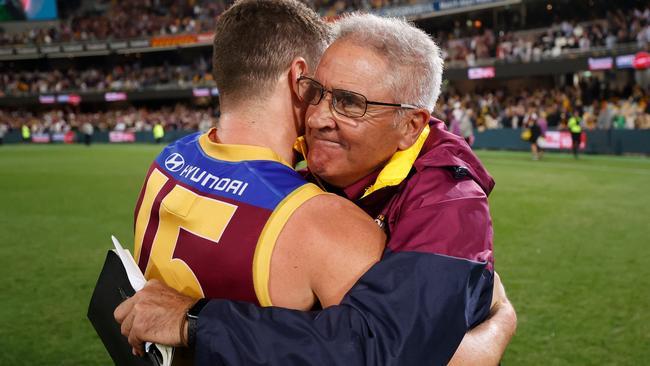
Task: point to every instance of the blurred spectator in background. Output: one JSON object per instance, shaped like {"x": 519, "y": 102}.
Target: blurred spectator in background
{"x": 467, "y": 127}
{"x": 3, "y": 132}
{"x": 158, "y": 132}
{"x": 88, "y": 130}
{"x": 26, "y": 133}
{"x": 535, "y": 135}
{"x": 576, "y": 131}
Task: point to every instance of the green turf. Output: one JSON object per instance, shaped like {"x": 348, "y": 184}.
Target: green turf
{"x": 571, "y": 247}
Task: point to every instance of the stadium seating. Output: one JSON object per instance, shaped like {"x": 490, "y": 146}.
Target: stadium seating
{"x": 55, "y": 79}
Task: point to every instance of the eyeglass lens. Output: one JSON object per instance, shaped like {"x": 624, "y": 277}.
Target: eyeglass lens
{"x": 347, "y": 103}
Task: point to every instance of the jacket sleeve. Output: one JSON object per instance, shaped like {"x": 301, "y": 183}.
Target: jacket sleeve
{"x": 409, "y": 309}
{"x": 452, "y": 219}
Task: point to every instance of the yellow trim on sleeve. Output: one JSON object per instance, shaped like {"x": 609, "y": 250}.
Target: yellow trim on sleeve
{"x": 269, "y": 236}
{"x": 399, "y": 165}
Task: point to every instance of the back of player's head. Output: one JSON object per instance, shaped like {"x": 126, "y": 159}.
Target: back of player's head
{"x": 413, "y": 57}
{"x": 256, "y": 40}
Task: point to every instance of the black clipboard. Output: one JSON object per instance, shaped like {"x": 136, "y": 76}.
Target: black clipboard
{"x": 112, "y": 288}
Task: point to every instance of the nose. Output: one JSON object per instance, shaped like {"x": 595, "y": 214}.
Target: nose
{"x": 321, "y": 115}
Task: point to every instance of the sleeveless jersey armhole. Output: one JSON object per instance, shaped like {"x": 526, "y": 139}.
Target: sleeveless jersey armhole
{"x": 270, "y": 234}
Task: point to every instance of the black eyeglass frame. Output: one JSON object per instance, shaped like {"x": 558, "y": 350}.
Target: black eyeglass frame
{"x": 323, "y": 90}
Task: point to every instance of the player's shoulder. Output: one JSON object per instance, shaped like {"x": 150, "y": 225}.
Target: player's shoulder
{"x": 190, "y": 140}
{"x": 181, "y": 145}
{"x": 337, "y": 222}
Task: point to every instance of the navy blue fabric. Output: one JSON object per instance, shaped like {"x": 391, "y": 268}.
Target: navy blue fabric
{"x": 408, "y": 309}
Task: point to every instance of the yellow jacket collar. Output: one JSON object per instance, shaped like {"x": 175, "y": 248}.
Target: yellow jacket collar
{"x": 397, "y": 168}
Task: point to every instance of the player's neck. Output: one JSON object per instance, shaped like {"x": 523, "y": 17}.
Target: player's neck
{"x": 269, "y": 125}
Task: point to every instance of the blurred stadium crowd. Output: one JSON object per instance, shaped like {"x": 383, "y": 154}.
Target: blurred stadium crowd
{"x": 490, "y": 110}
{"x": 617, "y": 28}
{"x": 112, "y": 20}
{"x": 177, "y": 117}
{"x": 548, "y": 107}
{"x": 464, "y": 43}
{"x": 125, "y": 76}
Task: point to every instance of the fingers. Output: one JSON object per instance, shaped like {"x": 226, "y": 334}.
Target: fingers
{"x": 127, "y": 325}
{"x": 497, "y": 278}
{"x": 127, "y": 330}
{"x": 125, "y": 314}
{"x": 499, "y": 298}
{"x": 151, "y": 314}
{"x": 498, "y": 287}
{"x": 124, "y": 309}
{"x": 137, "y": 344}
{"x": 137, "y": 351}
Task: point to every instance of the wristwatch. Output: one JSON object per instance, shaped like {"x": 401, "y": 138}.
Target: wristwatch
{"x": 192, "y": 316}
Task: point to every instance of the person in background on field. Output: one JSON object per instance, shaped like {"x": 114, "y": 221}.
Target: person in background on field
{"x": 576, "y": 131}
{"x": 88, "y": 130}
{"x": 3, "y": 132}
{"x": 158, "y": 132}
{"x": 535, "y": 135}
{"x": 467, "y": 127}
{"x": 27, "y": 133}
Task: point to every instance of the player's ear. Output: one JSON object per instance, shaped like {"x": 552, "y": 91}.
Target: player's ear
{"x": 298, "y": 68}
{"x": 411, "y": 127}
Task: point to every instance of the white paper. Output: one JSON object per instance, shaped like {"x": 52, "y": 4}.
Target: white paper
{"x": 137, "y": 280}
{"x": 132, "y": 270}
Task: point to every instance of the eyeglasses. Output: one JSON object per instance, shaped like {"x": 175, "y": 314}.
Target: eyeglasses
{"x": 344, "y": 102}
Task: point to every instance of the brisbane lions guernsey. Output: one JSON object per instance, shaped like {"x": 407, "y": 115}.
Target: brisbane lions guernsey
{"x": 209, "y": 214}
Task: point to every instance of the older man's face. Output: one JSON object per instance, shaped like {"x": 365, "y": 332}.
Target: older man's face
{"x": 343, "y": 150}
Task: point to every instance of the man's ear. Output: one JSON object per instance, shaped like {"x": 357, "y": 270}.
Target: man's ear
{"x": 412, "y": 127}
{"x": 298, "y": 68}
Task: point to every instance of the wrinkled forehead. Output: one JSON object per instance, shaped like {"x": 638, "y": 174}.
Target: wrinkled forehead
{"x": 350, "y": 66}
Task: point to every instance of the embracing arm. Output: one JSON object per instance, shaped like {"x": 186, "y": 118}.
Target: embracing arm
{"x": 485, "y": 344}
{"x": 399, "y": 313}
{"x": 411, "y": 308}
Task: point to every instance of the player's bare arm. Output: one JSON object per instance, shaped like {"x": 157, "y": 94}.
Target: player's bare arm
{"x": 324, "y": 248}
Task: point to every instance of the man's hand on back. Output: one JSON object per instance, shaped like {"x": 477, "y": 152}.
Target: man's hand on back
{"x": 154, "y": 314}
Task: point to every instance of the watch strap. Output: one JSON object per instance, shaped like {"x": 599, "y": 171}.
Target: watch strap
{"x": 193, "y": 320}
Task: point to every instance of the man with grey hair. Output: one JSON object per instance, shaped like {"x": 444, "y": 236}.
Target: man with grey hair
{"x": 435, "y": 280}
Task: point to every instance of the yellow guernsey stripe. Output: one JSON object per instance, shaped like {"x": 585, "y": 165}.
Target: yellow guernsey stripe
{"x": 399, "y": 166}
{"x": 269, "y": 236}
{"x": 154, "y": 184}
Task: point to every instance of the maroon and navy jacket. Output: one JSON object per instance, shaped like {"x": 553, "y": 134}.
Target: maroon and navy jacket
{"x": 413, "y": 307}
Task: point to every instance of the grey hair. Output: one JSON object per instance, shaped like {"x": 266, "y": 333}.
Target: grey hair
{"x": 413, "y": 57}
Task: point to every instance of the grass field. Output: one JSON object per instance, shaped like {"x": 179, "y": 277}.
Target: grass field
{"x": 572, "y": 247}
